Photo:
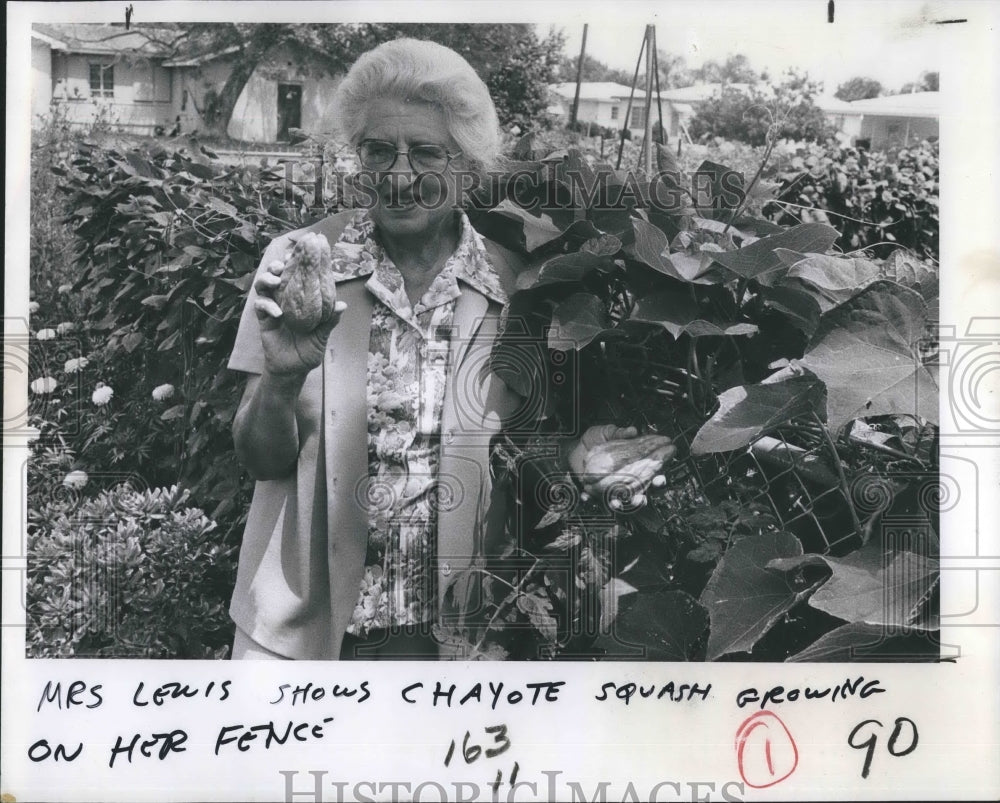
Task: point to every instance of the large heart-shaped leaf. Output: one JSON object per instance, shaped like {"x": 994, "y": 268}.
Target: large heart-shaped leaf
{"x": 748, "y": 411}
{"x": 679, "y": 314}
{"x": 759, "y": 261}
{"x": 865, "y": 352}
{"x": 658, "y": 626}
{"x": 858, "y": 641}
{"x": 870, "y": 591}
{"x": 744, "y": 598}
{"x": 831, "y": 280}
{"x": 577, "y": 321}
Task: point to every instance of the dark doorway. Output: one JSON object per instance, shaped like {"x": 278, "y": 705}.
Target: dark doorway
{"x": 289, "y": 109}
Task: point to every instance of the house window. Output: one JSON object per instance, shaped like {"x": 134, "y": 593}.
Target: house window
{"x": 614, "y": 112}
{"x": 638, "y": 118}
{"x": 102, "y": 80}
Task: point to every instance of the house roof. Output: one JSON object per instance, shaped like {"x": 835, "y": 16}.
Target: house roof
{"x": 697, "y": 93}
{"x": 98, "y": 38}
{"x": 834, "y": 105}
{"x": 913, "y": 104}
{"x": 592, "y": 90}
{"x": 199, "y": 59}
{"x": 608, "y": 90}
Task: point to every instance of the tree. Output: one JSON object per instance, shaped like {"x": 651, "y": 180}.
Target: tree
{"x": 859, "y": 88}
{"x": 735, "y": 69}
{"x": 748, "y": 115}
{"x": 673, "y": 70}
{"x": 519, "y": 85}
{"x": 593, "y": 70}
{"x": 515, "y": 64}
{"x": 928, "y": 83}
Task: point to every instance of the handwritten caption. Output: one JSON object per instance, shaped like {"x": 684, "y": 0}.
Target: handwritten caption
{"x": 765, "y": 754}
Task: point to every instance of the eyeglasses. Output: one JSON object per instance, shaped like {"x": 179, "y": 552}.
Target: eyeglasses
{"x": 376, "y": 154}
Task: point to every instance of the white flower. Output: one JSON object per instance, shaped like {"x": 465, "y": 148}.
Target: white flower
{"x": 65, "y": 288}
{"x": 65, "y": 327}
{"x": 102, "y": 395}
{"x": 78, "y": 364}
{"x": 33, "y": 307}
{"x": 44, "y": 385}
{"x": 163, "y": 392}
{"x": 75, "y": 479}
{"x": 46, "y": 334}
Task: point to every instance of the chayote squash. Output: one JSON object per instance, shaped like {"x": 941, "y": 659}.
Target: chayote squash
{"x": 307, "y": 293}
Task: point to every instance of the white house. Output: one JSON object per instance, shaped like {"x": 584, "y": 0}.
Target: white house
{"x": 100, "y": 72}
{"x": 605, "y": 103}
{"x": 898, "y": 120}
{"x": 96, "y": 72}
{"x": 894, "y": 120}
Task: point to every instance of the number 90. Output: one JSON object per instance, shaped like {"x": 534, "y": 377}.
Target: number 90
{"x": 892, "y": 745}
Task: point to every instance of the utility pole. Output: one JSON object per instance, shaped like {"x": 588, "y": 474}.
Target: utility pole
{"x": 579, "y": 79}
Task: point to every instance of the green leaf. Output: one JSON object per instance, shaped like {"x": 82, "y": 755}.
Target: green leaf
{"x": 650, "y": 248}
{"x": 905, "y": 269}
{"x": 744, "y": 599}
{"x": 868, "y": 590}
{"x": 667, "y": 625}
{"x": 759, "y": 261}
{"x": 606, "y": 245}
{"x": 831, "y": 280}
{"x": 538, "y": 229}
{"x": 538, "y": 609}
{"x": 748, "y": 411}
{"x": 572, "y": 268}
{"x": 177, "y": 411}
{"x": 611, "y": 595}
{"x": 577, "y": 321}
{"x": 156, "y": 302}
{"x": 679, "y": 314}
{"x": 216, "y": 203}
{"x": 132, "y": 341}
{"x": 858, "y": 641}
{"x": 799, "y": 305}
{"x": 723, "y": 191}
{"x": 865, "y": 352}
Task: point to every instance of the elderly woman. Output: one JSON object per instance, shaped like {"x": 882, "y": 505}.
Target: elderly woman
{"x": 369, "y": 437}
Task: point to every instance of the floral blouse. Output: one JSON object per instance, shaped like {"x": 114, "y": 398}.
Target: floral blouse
{"x": 408, "y": 357}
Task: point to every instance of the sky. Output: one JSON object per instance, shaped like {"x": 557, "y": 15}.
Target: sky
{"x": 891, "y": 41}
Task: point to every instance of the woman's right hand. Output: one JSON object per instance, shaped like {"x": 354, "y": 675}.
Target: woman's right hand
{"x": 287, "y": 354}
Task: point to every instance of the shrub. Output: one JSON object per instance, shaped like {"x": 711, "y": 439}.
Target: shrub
{"x": 877, "y": 199}
{"x": 170, "y": 241}
{"x": 127, "y": 574}
{"x": 131, "y": 333}
{"x": 749, "y": 115}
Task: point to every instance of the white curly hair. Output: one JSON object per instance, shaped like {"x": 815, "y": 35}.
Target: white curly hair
{"x": 412, "y": 69}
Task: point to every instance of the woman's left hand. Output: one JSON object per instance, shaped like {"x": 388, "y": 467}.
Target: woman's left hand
{"x": 608, "y": 457}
